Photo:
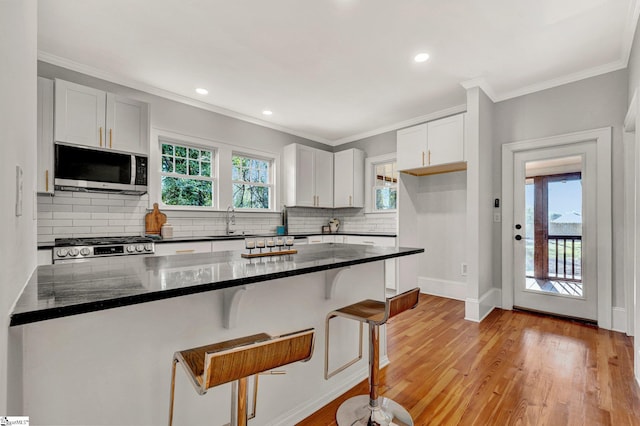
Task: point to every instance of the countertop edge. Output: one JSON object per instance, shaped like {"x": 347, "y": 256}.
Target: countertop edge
{"x": 24, "y": 318}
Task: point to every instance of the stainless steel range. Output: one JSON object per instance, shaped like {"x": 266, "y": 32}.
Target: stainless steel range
{"x": 67, "y": 250}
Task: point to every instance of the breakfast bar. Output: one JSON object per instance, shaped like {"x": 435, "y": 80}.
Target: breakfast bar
{"x": 98, "y": 336}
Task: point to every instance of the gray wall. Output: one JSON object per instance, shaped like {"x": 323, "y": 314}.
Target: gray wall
{"x": 587, "y": 104}
{"x": 634, "y": 65}
{"x": 18, "y": 122}
{"x": 383, "y": 143}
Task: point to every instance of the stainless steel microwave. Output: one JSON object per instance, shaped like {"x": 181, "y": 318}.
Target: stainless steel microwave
{"x": 99, "y": 170}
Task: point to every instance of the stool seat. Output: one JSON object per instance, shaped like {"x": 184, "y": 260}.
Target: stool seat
{"x": 364, "y": 311}
{"x": 237, "y": 359}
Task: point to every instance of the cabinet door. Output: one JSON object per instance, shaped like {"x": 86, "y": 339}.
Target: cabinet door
{"x": 411, "y": 147}
{"x": 323, "y": 176}
{"x": 126, "y": 124}
{"x": 45, "y": 136}
{"x": 305, "y": 170}
{"x": 79, "y": 114}
{"x": 343, "y": 176}
{"x": 164, "y": 249}
{"x": 227, "y": 245}
{"x": 445, "y": 140}
{"x": 314, "y": 239}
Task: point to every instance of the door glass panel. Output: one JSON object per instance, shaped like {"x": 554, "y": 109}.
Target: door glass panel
{"x": 553, "y": 226}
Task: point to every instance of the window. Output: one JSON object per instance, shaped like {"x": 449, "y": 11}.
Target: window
{"x": 385, "y": 186}
{"x": 252, "y": 182}
{"x": 187, "y": 175}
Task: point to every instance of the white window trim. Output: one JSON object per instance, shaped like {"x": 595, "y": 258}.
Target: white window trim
{"x": 272, "y": 178}
{"x": 223, "y": 152}
{"x": 369, "y": 182}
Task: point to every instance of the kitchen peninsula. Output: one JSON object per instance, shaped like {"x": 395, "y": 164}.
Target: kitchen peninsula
{"x": 86, "y": 363}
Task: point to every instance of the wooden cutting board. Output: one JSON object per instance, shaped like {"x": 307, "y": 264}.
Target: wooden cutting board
{"x": 154, "y": 220}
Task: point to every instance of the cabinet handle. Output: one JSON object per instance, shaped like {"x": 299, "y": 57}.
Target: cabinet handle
{"x": 350, "y": 200}
{"x": 100, "y": 136}
{"x": 110, "y": 137}
{"x": 429, "y": 163}
{"x": 186, "y": 251}
{"x": 423, "y": 158}
{"x": 46, "y": 180}
{"x": 368, "y": 242}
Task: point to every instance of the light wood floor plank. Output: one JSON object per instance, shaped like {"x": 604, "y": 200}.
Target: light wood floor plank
{"x": 513, "y": 368}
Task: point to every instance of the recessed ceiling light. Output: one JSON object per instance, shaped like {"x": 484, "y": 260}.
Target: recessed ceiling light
{"x": 267, "y": 112}
{"x": 202, "y": 91}
{"x": 421, "y": 57}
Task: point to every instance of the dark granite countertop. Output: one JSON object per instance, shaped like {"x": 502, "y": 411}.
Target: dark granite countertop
{"x": 55, "y": 291}
{"x": 48, "y": 245}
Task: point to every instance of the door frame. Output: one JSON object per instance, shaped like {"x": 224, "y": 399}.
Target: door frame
{"x": 602, "y": 137}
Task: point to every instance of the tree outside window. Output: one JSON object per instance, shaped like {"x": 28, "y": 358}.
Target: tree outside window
{"x": 252, "y": 182}
{"x": 385, "y": 189}
{"x": 187, "y": 176}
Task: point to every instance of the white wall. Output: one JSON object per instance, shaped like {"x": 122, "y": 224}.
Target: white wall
{"x": 587, "y": 104}
{"x": 18, "y": 120}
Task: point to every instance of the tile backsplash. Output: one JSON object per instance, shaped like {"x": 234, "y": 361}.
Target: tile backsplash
{"x": 79, "y": 214}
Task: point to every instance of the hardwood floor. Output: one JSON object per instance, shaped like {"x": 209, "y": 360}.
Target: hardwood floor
{"x": 513, "y": 368}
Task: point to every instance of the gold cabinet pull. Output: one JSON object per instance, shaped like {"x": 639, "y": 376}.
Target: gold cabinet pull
{"x": 318, "y": 200}
{"x": 100, "y": 136}
{"x": 350, "y": 197}
{"x": 110, "y": 138}
{"x": 186, "y": 251}
{"x": 46, "y": 180}
{"x": 423, "y": 158}
{"x": 429, "y": 163}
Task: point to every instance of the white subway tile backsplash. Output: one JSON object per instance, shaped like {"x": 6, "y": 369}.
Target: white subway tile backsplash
{"x": 106, "y": 202}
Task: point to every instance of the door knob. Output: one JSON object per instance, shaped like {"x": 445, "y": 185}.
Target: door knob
{"x": 518, "y": 237}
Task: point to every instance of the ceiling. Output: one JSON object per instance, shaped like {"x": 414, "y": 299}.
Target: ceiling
{"x": 336, "y": 70}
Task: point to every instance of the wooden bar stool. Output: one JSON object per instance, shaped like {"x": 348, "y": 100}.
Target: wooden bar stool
{"x": 372, "y": 409}
{"x": 236, "y": 360}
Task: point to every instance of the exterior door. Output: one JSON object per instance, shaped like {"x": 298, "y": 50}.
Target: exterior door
{"x": 555, "y": 217}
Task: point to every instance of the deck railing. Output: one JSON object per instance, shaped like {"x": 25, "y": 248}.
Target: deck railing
{"x": 565, "y": 257}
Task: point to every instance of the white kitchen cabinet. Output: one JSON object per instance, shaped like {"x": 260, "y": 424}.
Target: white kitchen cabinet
{"x": 389, "y": 264}
{"x": 315, "y": 239}
{"x": 445, "y": 140}
{"x": 45, "y": 256}
{"x": 165, "y": 249}
{"x": 308, "y": 177}
{"x": 227, "y": 245}
{"x": 411, "y": 147}
{"x": 44, "y": 179}
{"x": 92, "y": 117}
{"x": 433, "y": 147}
{"x": 348, "y": 166}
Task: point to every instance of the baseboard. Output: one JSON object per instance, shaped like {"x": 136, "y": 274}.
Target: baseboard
{"x": 619, "y": 319}
{"x": 477, "y": 309}
{"x": 302, "y": 412}
{"x": 443, "y": 288}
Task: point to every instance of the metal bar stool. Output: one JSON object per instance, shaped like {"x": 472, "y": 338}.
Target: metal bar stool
{"x": 372, "y": 409}
{"x": 236, "y": 360}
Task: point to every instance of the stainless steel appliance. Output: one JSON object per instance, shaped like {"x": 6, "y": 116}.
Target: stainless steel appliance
{"x": 99, "y": 170}
{"x": 68, "y": 250}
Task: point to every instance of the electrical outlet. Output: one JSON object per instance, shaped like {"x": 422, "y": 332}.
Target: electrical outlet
{"x": 497, "y": 217}
{"x": 463, "y": 269}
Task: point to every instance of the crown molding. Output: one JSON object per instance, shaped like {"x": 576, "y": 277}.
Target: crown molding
{"x": 406, "y": 123}
{"x": 482, "y": 84}
{"x": 147, "y": 88}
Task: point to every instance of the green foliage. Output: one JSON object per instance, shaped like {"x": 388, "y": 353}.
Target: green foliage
{"x": 386, "y": 198}
{"x": 250, "y": 179}
{"x": 186, "y": 192}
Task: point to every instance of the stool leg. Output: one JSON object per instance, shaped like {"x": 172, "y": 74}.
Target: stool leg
{"x": 373, "y": 409}
{"x": 173, "y": 387}
{"x": 239, "y": 403}
{"x": 374, "y": 364}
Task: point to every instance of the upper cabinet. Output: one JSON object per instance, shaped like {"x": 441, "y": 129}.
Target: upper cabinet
{"x": 308, "y": 177}
{"x": 44, "y": 179}
{"x": 348, "y": 166}
{"x": 433, "y": 147}
{"x": 91, "y": 117}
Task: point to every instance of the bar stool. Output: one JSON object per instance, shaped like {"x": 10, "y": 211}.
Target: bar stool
{"x": 372, "y": 409}
{"x": 236, "y": 360}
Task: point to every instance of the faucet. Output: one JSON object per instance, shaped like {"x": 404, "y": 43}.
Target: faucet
{"x": 230, "y": 218}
